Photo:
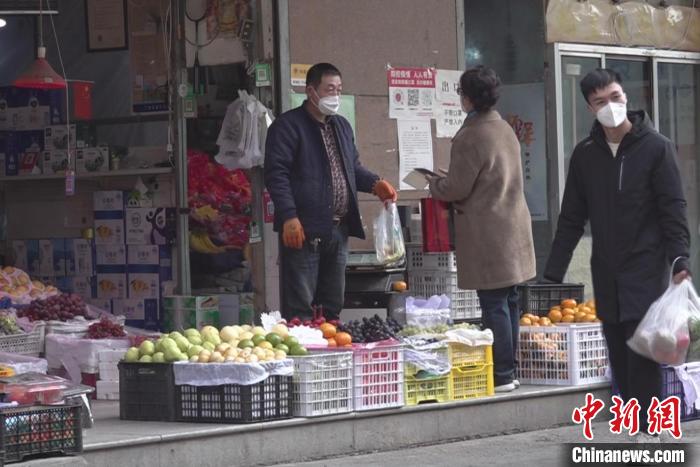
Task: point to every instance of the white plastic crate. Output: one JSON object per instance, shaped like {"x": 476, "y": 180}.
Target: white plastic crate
{"x": 464, "y": 304}
{"x": 378, "y": 377}
{"x": 417, "y": 260}
{"x": 107, "y": 390}
{"x": 31, "y": 343}
{"x": 322, "y": 384}
{"x": 113, "y": 356}
{"x": 568, "y": 355}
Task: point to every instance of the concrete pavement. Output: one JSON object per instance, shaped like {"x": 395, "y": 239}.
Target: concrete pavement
{"x": 536, "y": 448}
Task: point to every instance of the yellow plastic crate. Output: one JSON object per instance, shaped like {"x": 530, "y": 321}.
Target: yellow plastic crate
{"x": 467, "y": 355}
{"x": 468, "y": 382}
{"x": 419, "y": 391}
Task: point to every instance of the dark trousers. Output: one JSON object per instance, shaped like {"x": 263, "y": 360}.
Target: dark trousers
{"x": 635, "y": 376}
{"x": 314, "y": 275}
{"x": 500, "y": 314}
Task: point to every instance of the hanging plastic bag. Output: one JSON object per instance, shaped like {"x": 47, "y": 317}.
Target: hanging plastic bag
{"x": 388, "y": 237}
{"x": 664, "y": 334}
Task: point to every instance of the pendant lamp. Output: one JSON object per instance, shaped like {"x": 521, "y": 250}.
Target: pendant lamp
{"x": 40, "y": 75}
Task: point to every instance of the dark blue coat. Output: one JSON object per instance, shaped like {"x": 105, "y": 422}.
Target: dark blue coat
{"x": 298, "y": 174}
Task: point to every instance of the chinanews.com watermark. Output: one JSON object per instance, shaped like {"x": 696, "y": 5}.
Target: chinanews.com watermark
{"x": 634, "y": 447}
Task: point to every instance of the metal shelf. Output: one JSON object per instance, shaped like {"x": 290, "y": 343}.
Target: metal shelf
{"x": 115, "y": 173}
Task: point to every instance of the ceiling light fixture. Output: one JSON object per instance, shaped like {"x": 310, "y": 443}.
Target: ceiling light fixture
{"x": 40, "y": 74}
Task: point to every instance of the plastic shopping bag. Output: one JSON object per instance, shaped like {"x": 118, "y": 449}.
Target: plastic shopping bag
{"x": 664, "y": 333}
{"x": 388, "y": 237}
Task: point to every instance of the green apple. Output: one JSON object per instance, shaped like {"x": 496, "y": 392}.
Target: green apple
{"x": 146, "y": 359}
{"x": 195, "y": 340}
{"x": 159, "y": 357}
{"x": 147, "y": 348}
{"x": 194, "y": 350}
{"x": 132, "y": 355}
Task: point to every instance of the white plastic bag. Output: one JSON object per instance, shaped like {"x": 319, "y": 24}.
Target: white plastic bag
{"x": 388, "y": 237}
{"x": 663, "y": 335}
{"x": 428, "y": 313}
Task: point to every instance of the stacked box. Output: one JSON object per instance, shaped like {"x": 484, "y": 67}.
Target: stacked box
{"x": 80, "y": 257}
{"x": 109, "y": 218}
{"x": 23, "y": 152}
{"x": 108, "y": 383}
{"x": 189, "y": 311}
{"x": 111, "y": 271}
{"x": 150, "y": 226}
{"x": 24, "y": 109}
{"x": 91, "y": 160}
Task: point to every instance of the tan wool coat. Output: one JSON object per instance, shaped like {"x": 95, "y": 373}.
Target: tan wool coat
{"x": 493, "y": 230}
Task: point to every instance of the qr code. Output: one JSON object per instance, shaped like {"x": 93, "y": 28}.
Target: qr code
{"x": 426, "y": 99}
{"x": 413, "y": 97}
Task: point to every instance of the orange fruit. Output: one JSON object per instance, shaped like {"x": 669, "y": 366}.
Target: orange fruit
{"x": 544, "y": 321}
{"x": 328, "y": 330}
{"x": 555, "y": 307}
{"x": 332, "y": 342}
{"x": 568, "y": 303}
{"x": 343, "y": 338}
{"x": 555, "y": 316}
{"x": 567, "y": 318}
{"x": 589, "y": 318}
{"x": 590, "y": 303}
{"x": 579, "y": 316}
{"x": 568, "y": 311}
{"x": 525, "y": 321}
{"x": 399, "y": 286}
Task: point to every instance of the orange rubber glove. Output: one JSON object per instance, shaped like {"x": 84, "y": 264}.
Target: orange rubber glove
{"x": 384, "y": 191}
{"x": 293, "y": 234}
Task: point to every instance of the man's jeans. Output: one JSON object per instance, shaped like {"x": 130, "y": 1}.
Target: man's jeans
{"x": 314, "y": 275}
{"x": 499, "y": 312}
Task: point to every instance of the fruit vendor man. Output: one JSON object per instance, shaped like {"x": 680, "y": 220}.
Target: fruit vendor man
{"x": 313, "y": 174}
{"x": 623, "y": 178}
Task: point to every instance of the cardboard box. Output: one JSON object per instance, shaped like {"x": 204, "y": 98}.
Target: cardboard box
{"x": 33, "y": 257}
{"x": 92, "y": 160}
{"x": 101, "y": 304}
{"x": 109, "y": 228}
{"x": 86, "y": 287}
{"x": 20, "y": 255}
{"x": 110, "y": 255}
{"x": 135, "y": 199}
{"x": 143, "y": 285}
{"x": 80, "y": 257}
{"x": 23, "y": 152}
{"x": 139, "y": 313}
{"x": 52, "y": 257}
{"x": 229, "y": 306}
{"x": 56, "y": 137}
{"x": 34, "y": 109}
{"x": 56, "y": 162}
{"x": 150, "y": 226}
{"x": 143, "y": 255}
{"x": 189, "y": 311}
{"x": 111, "y": 286}
{"x": 108, "y": 201}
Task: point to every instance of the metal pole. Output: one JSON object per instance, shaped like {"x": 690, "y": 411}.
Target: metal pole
{"x": 179, "y": 91}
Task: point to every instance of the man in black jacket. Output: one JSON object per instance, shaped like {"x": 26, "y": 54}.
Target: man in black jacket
{"x": 624, "y": 179}
{"x": 313, "y": 174}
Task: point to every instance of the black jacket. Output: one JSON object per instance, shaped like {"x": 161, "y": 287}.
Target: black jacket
{"x": 637, "y": 211}
{"x": 298, "y": 173}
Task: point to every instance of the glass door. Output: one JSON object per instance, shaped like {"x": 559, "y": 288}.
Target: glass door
{"x": 679, "y": 98}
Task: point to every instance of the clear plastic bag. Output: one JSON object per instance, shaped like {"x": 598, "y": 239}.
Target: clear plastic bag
{"x": 388, "y": 237}
{"x": 664, "y": 334}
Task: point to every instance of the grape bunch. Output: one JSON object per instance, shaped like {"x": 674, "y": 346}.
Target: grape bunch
{"x": 372, "y": 329}
{"x": 8, "y": 324}
{"x": 60, "y": 307}
{"x": 105, "y": 328}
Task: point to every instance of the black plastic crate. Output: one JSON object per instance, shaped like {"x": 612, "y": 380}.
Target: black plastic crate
{"x": 539, "y": 298}
{"x": 40, "y": 431}
{"x": 270, "y": 399}
{"x": 146, "y": 391}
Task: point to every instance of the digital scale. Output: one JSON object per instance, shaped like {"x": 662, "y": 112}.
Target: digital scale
{"x": 368, "y": 283}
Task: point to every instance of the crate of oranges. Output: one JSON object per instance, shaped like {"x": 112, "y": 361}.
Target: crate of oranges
{"x": 566, "y": 312}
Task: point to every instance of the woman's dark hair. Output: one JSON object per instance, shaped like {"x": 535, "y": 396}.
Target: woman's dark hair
{"x": 598, "y": 79}
{"x": 480, "y": 84}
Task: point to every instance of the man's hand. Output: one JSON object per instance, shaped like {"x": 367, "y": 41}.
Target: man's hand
{"x": 680, "y": 277}
{"x": 293, "y": 234}
{"x": 384, "y": 191}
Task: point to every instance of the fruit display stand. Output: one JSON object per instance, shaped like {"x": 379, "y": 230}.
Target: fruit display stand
{"x": 472, "y": 371}
{"x": 421, "y": 385}
{"x": 322, "y": 384}
{"x": 567, "y": 354}
{"x": 29, "y": 343}
{"x": 540, "y": 298}
{"x": 39, "y": 431}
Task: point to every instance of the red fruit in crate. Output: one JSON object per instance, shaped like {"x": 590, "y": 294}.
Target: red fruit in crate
{"x": 295, "y": 321}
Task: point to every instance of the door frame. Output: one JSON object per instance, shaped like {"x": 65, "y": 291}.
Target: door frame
{"x": 554, "y": 103}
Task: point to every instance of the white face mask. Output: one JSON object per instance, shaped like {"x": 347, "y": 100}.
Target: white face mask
{"x": 328, "y": 105}
{"x": 612, "y": 115}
